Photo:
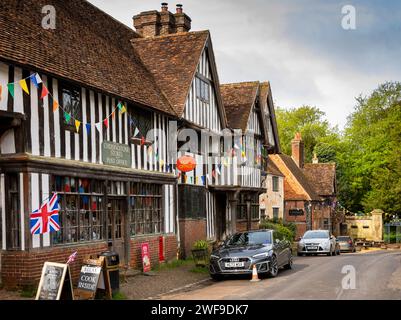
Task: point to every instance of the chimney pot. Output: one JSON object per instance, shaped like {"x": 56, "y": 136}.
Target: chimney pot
{"x": 179, "y": 8}
{"x": 164, "y": 6}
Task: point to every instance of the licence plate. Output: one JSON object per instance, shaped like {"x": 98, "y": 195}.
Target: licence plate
{"x": 312, "y": 248}
{"x": 234, "y": 264}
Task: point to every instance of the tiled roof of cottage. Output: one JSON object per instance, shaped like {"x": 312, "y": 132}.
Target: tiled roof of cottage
{"x": 88, "y": 47}
{"x": 322, "y": 177}
{"x": 172, "y": 59}
{"x": 272, "y": 168}
{"x": 291, "y": 186}
{"x": 238, "y": 99}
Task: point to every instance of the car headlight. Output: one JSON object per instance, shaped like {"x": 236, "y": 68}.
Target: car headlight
{"x": 213, "y": 256}
{"x": 261, "y": 255}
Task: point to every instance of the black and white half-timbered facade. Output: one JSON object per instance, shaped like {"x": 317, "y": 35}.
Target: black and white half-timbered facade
{"x": 99, "y": 114}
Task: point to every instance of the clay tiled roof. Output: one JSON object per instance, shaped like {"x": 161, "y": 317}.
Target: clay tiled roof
{"x": 172, "y": 59}
{"x": 238, "y": 99}
{"x": 88, "y": 47}
{"x": 322, "y": 177}
{"x": 272, "y": 168}
{"x": 296, "y": 185}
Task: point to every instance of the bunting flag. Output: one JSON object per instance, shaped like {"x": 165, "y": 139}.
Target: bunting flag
{"x": 45, "y": 92}
{"x": 179, "y": 175}
{"x": 150, "y": 150}
{"x": 113, "y": 114}
{"x": 185, "y": 178}
{"x": 98, "y": 126}
{"x": 67, "y": 117}
{"x": 218, "y": 170}
{"x": 35, "y": 78}
{"x": 243, "y": 154}
{"x": 106, "y": 122}
{"x": 10, "y": 87}
{"x": 192, "y": 180}
{"x": 203, "y": 180}
{"x": 196, "y": 179}
{"x": 77, "y": 125}
{"x": 119, "y": 105}
{"x": 236, "y": 146}
{"x": 23, "y": 85}
{"x": 123, "y": 109}
{"x": 161, "y": 162}
{"x": 142, "y": 140}
{"x": 136, "y": 132}
{"x": 213, "y": 173}
{"x": 88, "y": 127}
{"x": 55, "y": 105}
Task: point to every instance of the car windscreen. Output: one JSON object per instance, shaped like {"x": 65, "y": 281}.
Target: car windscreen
{"x": 250, "y": 238}
{"x": 316, "y": 235}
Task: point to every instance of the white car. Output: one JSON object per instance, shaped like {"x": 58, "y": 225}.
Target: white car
{"x": 318, "y": 242}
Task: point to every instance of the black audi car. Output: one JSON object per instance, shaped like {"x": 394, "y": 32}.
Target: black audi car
{"x": 241, "y": 251}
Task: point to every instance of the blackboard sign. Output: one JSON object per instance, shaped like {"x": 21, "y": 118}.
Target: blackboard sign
{"x": 94, "y": 275}
{"x": 89, "y": 278}
{"x": 55, "y": 282}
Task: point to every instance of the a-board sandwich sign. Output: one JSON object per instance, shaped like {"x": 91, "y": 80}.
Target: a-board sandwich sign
{"x": 55, "y": 282}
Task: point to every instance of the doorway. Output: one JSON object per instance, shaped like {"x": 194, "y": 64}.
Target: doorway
{"x": 221, "y": 221}
{"x": 116, "y": 216}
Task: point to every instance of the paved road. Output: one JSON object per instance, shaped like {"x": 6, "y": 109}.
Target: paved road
{"x": 378, "y": 276}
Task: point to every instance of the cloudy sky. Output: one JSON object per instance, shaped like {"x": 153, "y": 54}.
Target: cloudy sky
{"x": 299, "y": 46}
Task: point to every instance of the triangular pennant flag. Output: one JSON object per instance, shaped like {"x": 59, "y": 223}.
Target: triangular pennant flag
{"x": 106, "y": 122}
{"x": 179, "y": 175}
{"x": 161, "y": 162}
{"x": 67, "y": 117}
{"x": 236, "y": 146}
{"x": 123, "y": 109}
{"x": 45, "y": 92}
{"x": 23, "y": 85}
{"x": 119, "y": 106}
{"x": 77, "y": 125}
{"x": 214, "y": 174}
{"x": 150, "y": 150}
{"x": 185, "y": 178}
{"x": 203, "y": 179}
{"x": 142, "y": 141}
{"x": 34, "y": 80}
{"x": 136, "y": 132}
{"x": 218, "y": 170}
{"x": 98, "y": 126}
{"x": 55, "y": 105}
{"x": 243, "y": 154}
{"x": 10, "y": 87}
{"x": 196, "y": 179}
{"x": 113, "y": 114}
{"x": 38, "y": 79}
{"x": 88, "y": 127}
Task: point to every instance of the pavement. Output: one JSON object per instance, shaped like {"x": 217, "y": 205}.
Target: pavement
{"x": 368, "y": 274}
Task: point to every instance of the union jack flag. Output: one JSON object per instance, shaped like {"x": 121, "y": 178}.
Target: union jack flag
{"x": 46, "y": 219}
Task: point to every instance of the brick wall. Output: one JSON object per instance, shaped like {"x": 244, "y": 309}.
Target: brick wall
{"x": 170, "y": 249}
{"x": 242, "y": 226}
{"x": 191, "y": 230}
{"x": 22, "y": 268}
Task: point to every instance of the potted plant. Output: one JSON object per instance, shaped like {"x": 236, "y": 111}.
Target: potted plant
{"x": 200, "y": 253}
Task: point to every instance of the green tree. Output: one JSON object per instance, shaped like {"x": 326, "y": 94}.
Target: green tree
{"x": 370, "y": 157}
{"x": 314, "y": 129}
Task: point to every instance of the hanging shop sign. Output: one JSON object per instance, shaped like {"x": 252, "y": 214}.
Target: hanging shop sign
{"x": 186, "y": 163}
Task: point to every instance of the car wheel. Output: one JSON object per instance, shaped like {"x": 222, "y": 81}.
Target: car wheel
{"x": 274, "y": 267}
{"x": 299, "y": 254}
{"x": 330, "y": 253}
{"x": 289, "y": 264}
{"x": 216, "y": 277}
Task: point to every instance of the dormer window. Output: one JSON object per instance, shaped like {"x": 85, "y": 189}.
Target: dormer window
{"x": 202, "y": 90}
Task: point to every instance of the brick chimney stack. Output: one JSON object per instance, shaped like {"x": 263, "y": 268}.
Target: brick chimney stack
{"x": 297, "y": 147}
{"x": 154, "y": 23}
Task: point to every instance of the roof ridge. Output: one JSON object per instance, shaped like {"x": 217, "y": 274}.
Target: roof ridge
{"x": 178, "y": 34}
{"x": 240, "y": 83}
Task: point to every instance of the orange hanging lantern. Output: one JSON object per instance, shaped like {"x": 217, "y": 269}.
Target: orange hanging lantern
{"x": 186, "y": 163}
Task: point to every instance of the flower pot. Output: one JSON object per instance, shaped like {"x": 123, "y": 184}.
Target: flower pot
{"x": 201, "y": 256}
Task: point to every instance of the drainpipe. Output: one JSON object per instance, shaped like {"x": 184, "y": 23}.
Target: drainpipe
{"x": 177, "y": 223}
